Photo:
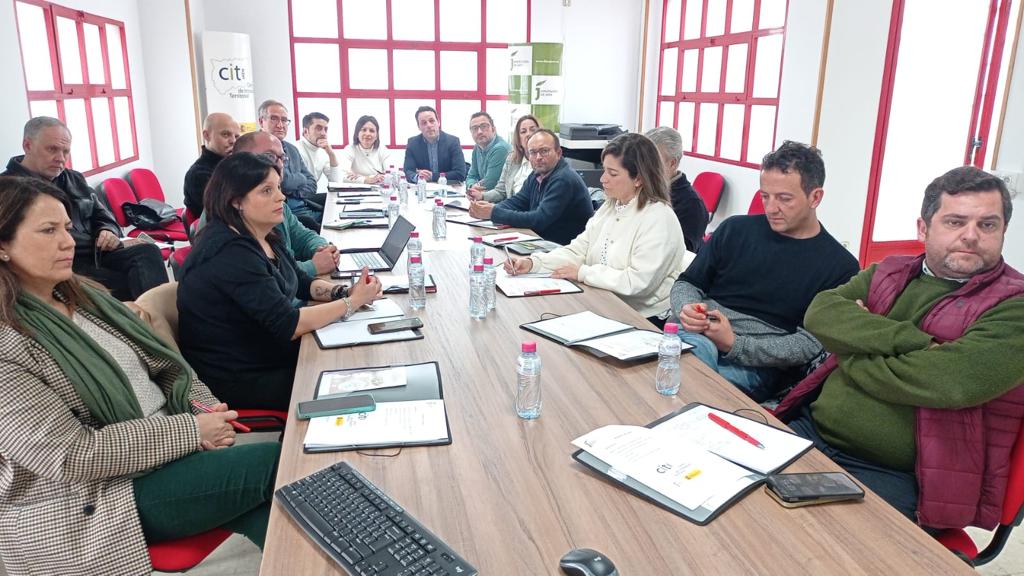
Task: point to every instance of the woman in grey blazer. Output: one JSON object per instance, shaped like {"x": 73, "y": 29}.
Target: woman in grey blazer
{"x": 101, "y": 448}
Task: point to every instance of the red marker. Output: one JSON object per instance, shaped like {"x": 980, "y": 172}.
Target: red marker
{"x": 725, "y": 424}
{"x": 237, "y": 425}
{"x": 543, "y": 292}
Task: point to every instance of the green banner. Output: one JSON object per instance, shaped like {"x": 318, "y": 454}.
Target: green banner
{"x": 535, "y": 81}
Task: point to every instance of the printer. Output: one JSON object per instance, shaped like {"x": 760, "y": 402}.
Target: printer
{"x": 589, "y": 131}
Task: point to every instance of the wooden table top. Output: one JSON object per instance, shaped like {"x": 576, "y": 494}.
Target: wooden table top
{"x": 508, "y": 497}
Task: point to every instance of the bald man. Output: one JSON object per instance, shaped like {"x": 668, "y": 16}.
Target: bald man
{"x": 219, "y": 132}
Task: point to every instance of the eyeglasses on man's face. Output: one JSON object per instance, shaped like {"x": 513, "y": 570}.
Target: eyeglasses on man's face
{"x": 275, "y": 158}
{"x": 540, "y": 151}
{"x": 275, "y": 119}
{"x": 480, "y": 127}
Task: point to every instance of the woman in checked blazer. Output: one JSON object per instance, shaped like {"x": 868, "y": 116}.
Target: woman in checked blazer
{"x": 100, "y": 447}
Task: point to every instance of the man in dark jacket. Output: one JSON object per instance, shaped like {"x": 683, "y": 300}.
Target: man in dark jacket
{"x": 433, "y": 151}
{"x": 128, "y": 268}
{"x": 296, "y": 182}
{"x": 686, "y": 203}
{"x": 220, "y": 132}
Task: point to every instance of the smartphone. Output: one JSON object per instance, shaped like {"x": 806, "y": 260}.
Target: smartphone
{"x": 804, "y": 489}
{"x": 334, "y": 406}
{"x": 395, "y": 325}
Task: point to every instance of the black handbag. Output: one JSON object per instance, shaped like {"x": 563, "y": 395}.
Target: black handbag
{"x": 149, "y": 214}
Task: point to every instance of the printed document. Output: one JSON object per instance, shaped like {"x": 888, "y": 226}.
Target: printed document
{"x": 522, "y": 284}
{"x": 390, "y": 423}
{"x": 347, "y": 382}
{"x": 574, "y": 328}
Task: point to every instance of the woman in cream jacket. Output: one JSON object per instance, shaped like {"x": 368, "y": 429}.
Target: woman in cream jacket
{"x": 633, "y": 245}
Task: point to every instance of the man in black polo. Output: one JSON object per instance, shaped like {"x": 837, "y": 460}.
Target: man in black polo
{"x": 220, "y": 132}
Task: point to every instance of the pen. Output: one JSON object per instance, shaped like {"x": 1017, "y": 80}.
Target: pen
{"x": 542, "y": 292}
{"x": 509, "y": 257}
{"x": 724, "y": 424}
{"x": 237, "y": 425}
{"x": 505, "y": 239}
{"x": 704, "y": 310}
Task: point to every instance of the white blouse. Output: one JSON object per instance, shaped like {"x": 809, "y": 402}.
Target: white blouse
{"x": 358, "y": 163}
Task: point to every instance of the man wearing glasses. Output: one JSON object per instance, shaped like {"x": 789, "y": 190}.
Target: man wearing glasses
{"x": 433, "y": 151}
{"x": 488, "y": 155}
{"x": 554, "y": 201}
{"x": 296, "y": 182}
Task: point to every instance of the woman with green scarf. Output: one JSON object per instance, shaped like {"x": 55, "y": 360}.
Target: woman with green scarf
{"x": 101, "y": 447}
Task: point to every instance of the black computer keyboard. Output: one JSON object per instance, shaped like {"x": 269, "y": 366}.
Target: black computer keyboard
{"x": 363, "y": 529}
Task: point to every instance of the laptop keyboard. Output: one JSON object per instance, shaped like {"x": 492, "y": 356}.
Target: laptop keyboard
{"x": 363, "y": 529}
{"x": 368, "y": 259}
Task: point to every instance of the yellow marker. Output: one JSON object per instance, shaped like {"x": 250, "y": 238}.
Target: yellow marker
{"x": 339, "y": 420}
{"x": 692, "y": 474}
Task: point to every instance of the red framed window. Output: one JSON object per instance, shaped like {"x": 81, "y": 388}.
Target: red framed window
{"x": 76, "y": 69}
{"x": 389, "y": 57}
{"x": 718, "y": 76}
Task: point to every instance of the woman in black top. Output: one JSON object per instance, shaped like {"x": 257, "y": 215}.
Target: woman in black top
{"x": 237, "y": 325}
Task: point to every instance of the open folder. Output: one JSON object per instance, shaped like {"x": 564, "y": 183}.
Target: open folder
{"x": 355, "y": 331}
{"x": 410, "y": 409}
{"x": 687, "y": 462}
{"x": 600, "y": 336}
{"x": 536, "y": 284}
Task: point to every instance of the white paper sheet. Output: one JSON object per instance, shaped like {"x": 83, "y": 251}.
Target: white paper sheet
{"x": 347, "y": 382}
{"x": 383, "y": 308}
{"x": 521, "y": 284}
{"x": 580, "y": 326}
{"x": 348, "y": 333}
{"x": 507, "y": 238}
{"x": 391, "y": 423}
{"x": 625, "y": 345}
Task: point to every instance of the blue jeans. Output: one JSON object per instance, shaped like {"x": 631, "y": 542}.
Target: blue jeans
{"x": 758, "y": 383}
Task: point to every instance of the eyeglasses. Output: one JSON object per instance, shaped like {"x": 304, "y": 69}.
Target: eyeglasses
{"x": 540, "y": 152}
{"x": 283, "y": 158}
{"x": 279, "y": 119}
{"x": 479, "y": 127}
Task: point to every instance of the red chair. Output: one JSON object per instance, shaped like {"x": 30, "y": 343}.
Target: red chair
{"x": 117, "y": 192}
{"x": 709, "y": 185}
{"x": 185, "y": 553}
{"x": 1013, "y": 512}
{"x": 262, "y": 420}
{"x": 756, "y": 204}
{"x": 146, "y": 185}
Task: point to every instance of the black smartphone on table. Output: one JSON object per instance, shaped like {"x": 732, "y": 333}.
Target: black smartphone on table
{"x": 395, "y": 325}
{"x": 335, "y": 406}
{"x": 806, "y": 488}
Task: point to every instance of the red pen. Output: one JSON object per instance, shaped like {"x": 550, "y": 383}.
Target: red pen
{"x": 543, "y": 292}
{"x": 505, "y": 239}
{"x": 237, "y": 425}
{"x": 725, "y": 424}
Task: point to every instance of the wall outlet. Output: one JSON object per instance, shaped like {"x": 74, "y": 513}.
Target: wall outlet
{"x": 1013, "y": 180}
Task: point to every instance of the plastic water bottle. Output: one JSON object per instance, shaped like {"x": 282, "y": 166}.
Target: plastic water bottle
{"x": 528, "y": 399}
{"x": 442, "y": 181}
{"x": 440, "y": 220}
{"x": 490, "y": 276}
{"x": 667, "y": 379}
{"x": 403, "y": 188}
{"x": 421, "y": 190}
{"x": 417, "y": 284}
{"x": 476, "y": 252}
{"x": 385, "y": 188}
{"x": 389, "y": 176}
{"x": 414, "y": 247}
{"x": 477, "y": 293}
{"x": 393, "y": 210}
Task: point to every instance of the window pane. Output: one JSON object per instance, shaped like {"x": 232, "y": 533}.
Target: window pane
{"x": 773, "y": 14}
{"x": 687, "y": 112}
{"x": 708, "y": 129}
{"x": 460, "y": 20}
{"x": 94, "y": 55}
{"x": 317, "y": 68}
{"x": 412, "y": 20}
{"x": 736, "y": 69}
{"x": 316, "y": 18}
{"x": 732, "y": 131}
{"x": 458, "y": 70}
{"x": 497, "y": 71}
{"x": 668, "y": 71}
{"x": 405, "y": 118}
{"x": 414, "y": 70}
{"x": 124, "y": 127}
{"x": 673, "y": 12}
{"x": 43, "y": 108}
{"x": 506, "y": 21}
{"x": 377, "y": 107}
{"x": 711, "y": 74}
{"x": 104, "y": 131}
{"x": 762, "y": 133}
{"x": 368, "y": 69}
{"x": 693, "y": 11}
{"x": 35, "y": 49}
{"x": 716, "y": 18}
{"x": 70, "y": 58}
{"x": 689, "y": 71}
{"x": 501, "y": 111}
{"x": 330, "y": 107}
{"x": 767, "y": 66}
{"x": 74, "y": 117}
{"x": 455, "y": 118}
{"x": 364, "y": 19}
{"x": 742, "y": 16}
{"x": 666, "y": 113}
{"x": 116, "y": 56}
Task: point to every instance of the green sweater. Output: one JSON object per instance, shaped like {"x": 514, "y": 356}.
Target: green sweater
{"x": 486, "y": 164}
{"x": 887, "y": 367}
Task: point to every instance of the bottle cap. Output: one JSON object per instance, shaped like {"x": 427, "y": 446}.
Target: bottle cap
{"x": 442, "y": 173}
{"x": 414, "y": 234}
{"x": 529, "y": 346}
{"x": 477, "y": 239}
{"x": 478, "y": 268}
{"x": 671, "y": 328}
{"x": 437, "y": 202}
{"x": 488, "y": 261}
{"x": 393, "y": 197}
{"x": 415, "y": 260}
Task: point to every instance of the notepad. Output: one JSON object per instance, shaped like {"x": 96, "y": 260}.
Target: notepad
{"x": 355, "y": 331}
{"x": 600, "y": 336}
{"x": 503, "y": 238}
{"x": 533, "y": 285}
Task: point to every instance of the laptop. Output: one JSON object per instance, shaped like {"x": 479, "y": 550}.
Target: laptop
{"x": 378, "y": 259}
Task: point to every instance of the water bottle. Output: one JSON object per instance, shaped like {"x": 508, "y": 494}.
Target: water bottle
{"x": 417, "y": 283}
{"x": 490, "y": 275}
{"x": 528, "y": 400}
{"x": 442, "y": 181}
{"x": 477, "y": 293}
{"x": 440, "y": 220}
{"x": 385, "y": 188}
{"x": 414, "y": 246}
{"x": 421, "y": 190}
{"x": 476, "y": 252}
{"x": 403, "y": 188}
{"x": 667, "y": 379}
{"x": 392, "y": 212}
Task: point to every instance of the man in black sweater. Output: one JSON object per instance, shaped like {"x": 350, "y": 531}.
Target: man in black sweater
{"x": 219, "y": 132}
{"x": 742, "y": 301}
{"x": 128, "y": 267}
{"x": 686, "y": 203}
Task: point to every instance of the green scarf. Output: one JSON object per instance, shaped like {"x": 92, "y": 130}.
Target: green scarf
{"x": 97, "y": 378}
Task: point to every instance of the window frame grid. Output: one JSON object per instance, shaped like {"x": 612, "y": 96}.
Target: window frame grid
{"x": 389, "y": 44}
{"x": 86, "y": 91}
{"x": 719, "y": 98}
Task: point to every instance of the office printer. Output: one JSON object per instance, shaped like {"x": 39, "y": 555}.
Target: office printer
{"x": 589, "y": 131}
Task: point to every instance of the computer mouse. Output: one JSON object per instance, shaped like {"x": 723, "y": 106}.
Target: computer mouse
{"x": 587, "y": 562}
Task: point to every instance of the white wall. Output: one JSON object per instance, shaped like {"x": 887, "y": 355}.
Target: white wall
{"x": 1011, "y": 157}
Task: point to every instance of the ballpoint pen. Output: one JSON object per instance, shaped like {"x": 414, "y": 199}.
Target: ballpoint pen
{"x": 509, "y": 257}
{"x": 504, "y": 239}
{"x": 237, "y": 425}
{"x": 542, "y": 292}
{"x": 724, "y": 424}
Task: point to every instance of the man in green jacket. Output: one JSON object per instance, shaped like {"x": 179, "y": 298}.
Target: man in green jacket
{"x": 489, "y": 154}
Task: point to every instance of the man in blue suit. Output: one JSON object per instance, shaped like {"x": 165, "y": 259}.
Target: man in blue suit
{"x": 433, "y": 151}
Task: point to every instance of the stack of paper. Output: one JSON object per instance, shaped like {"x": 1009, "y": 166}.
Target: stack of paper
{"x": 391, "y": 423}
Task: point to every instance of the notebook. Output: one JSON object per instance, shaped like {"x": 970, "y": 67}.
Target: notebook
{"x": 355, "y": 331}
{"x": 533, "y": 285}
{"x": 471, "y": 221}
{"x": 600, "y": 336}
{"x": 384, "y": 258}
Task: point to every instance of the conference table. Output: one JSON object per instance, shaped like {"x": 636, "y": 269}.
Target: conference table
{"x": 506, "y": 494}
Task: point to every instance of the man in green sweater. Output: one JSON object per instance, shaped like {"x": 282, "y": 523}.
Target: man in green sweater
{"x": 489, "y": 154}
{"x": 889, "y": 366}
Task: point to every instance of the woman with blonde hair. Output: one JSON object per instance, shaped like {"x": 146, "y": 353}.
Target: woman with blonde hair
{"x": 517, "y": 165}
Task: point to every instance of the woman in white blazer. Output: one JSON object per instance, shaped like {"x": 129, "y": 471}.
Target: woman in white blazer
{"x": 633, "y": 245}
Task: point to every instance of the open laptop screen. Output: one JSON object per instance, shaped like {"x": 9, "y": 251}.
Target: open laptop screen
{"x": 396, "y": 240}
